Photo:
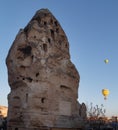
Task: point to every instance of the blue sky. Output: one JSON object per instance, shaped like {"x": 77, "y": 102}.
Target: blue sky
{"x": 92, "y": 30}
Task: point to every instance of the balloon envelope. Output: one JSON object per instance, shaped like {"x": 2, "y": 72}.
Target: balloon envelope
{"x": 105, "y": 93}
{"x": 106, "y": 61}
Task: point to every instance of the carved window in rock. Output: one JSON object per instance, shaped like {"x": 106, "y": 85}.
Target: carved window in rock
{"x": 45, "y": 47}
{"x": 65, "y": 90}
{"x": 45, "y": 23}
{"x": 34, "y": 37}
{"x": 52, "y": 33}
{"x": 49, "y": 40}
{"x": 56, "y": 24}
{"x": 43, "y": 100}
{"x": 29, "y": 79}
{"x": 37, "y": 74}
{"x": 66, "y": 45}
{"x": 57, "y": 30}
{"x": 64, "y": 87}
{"x": 51, "y": 21}
{"x": 26, "y": 50}
{"x": 16, "y": 102}
{"x": 26, "y": 97}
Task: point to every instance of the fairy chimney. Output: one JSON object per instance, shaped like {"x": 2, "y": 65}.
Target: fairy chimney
{"x": 43, "y": 80}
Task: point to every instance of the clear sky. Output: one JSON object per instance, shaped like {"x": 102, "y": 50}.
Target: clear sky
{"x": 92, "y": 30}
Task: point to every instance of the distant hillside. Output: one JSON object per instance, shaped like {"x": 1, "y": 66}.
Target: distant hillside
{"x": 3, "y": 111}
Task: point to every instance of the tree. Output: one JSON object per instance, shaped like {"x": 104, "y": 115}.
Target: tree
{"x": 95, "y": 111}
{"x": 96, "y": 115}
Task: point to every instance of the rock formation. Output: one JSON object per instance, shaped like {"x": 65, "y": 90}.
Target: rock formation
{"x": 3, "y": 111}
{"x": 43, "y": 80}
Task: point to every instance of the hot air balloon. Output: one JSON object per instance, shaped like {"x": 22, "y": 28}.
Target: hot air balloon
{"x": 106, "y": 61}
{"x": 105, "y": 93}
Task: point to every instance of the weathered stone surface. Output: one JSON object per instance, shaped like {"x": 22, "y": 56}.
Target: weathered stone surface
{"x": 3, "y": 111}
{"x": 43, "y": 80}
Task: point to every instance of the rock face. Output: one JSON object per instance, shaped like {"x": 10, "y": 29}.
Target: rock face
{"x": 3, "y": 111}
{"x": 43, "y": 81}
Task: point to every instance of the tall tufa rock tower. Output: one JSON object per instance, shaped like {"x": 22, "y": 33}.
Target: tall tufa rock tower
{"x": 43, "y": 81}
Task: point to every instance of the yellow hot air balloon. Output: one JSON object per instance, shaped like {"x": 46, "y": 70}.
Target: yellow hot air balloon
{"x": 105, "y": 93}
{"x": 106, "y": 61}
